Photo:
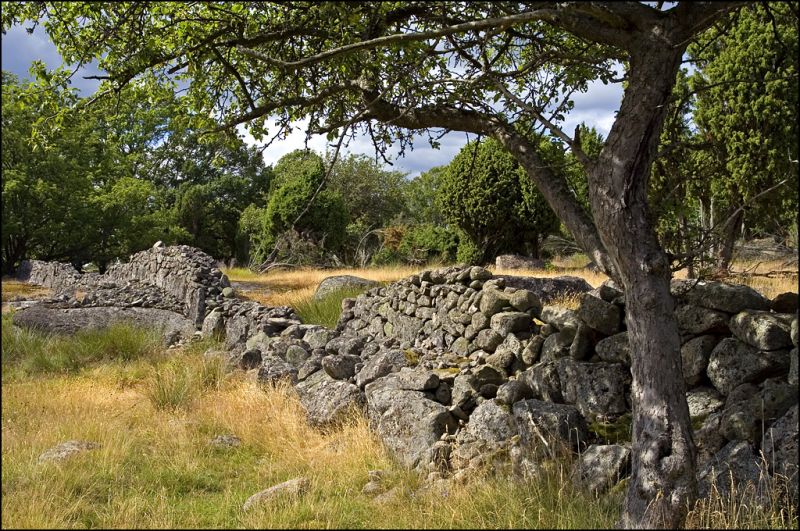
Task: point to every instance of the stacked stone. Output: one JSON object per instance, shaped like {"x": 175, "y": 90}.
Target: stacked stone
{"x": 184, "y": 272}
{"x": 106, "y": 293}
{"x": 457, "y": 370}
{"x": 57, "y": 276}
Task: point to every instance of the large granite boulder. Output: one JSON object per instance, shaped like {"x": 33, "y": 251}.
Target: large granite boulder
{"x": 546, "y": 428}
{"x": 515, "y": 261}
{"x": 763, "y": 330}
{"x": 732, "y": 363}
{"x": 602, "y": 466}
{"x": 596, "y": 389}
{"x": 735, "y": 466}
{"x": 780, "y": 448}
{"x": 729, "y": 298}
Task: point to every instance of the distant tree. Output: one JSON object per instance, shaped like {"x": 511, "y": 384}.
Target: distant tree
{"x": 486, "y": 194}
{"x": 746, "y": 111}
{"x": 420, "y": 197}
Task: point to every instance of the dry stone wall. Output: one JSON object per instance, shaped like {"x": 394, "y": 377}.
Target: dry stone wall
{"x": 457, "y": 370}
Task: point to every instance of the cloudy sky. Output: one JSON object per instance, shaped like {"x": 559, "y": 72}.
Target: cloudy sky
{"x": 596, "y": 107}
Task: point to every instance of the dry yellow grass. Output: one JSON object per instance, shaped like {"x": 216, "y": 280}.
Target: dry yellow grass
{"x": 14, "y": 288}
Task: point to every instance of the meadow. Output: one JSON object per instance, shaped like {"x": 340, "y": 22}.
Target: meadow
{"x": 154, "y": 412}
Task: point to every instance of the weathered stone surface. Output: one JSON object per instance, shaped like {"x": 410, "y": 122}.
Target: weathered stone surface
{"x": 698, "y": 320}
{"x": 226, "y": 440}
{"x": 748, "y": 409}
{"x": 273, "y": 369}
{"x": 525, "y": 301}
{"x": 513, "y": 391}
{"x": 214, "y": 325}
{"x": 736, "y": 461}
{"x": 732, "y": 363}
{"x": 694, "y": 358}
{"x": 785, "y": 303}
{"x": 493, "y": 301}
{"x": 340, "y": 367}
{"x": 491, "y": 421}
{"x": 327, "y": 400}
{"x": 543, "y": 380}
{"x": 703, "y": 401}
{"x": 729, "y": 298}
{"x": 707, "y": 438}
{"x": 560, "y": 317}
{"x": 66, "y": 450}
{"x": 515, "y": 261}
{"x": 792, "y": 377}
{"x": 614, "y": 349}
{"x": 583, "y": 343}
{"x": 413, "y": 380}
{"x": 780, "y": 448}
{"x": 555, "y": 347}
{"x": 600, "y": 467}
{"x": 599, "y": 314}
{"x": 596, "y": 389}
{"x": 505, "y": 323}
{"x": 793, "y": 332}
{"x": 381, "y": 364}
{"x": 488, "y": 340}
{"x": 333, "y": 284}
{"x": 763, "y": 330}
{"x": 318, "y": 337}
{"x": 406, "y": 421}
{"x": 71, "y": 320}
{"x": 558, "y": 424}
{"x": 548, "y": 289}
{"x": 292, "y": 487}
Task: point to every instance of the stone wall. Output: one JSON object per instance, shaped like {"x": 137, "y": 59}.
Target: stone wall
{"x": 184, "y": 272}
{"x": 54, "y": 275}
{"x": 457, "y": 369}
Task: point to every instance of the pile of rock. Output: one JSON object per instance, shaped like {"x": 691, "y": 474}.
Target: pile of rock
{"x": 457, "y": 370}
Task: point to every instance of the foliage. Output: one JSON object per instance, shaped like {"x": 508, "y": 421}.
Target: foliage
{"x": 420, "y": 197}
{"x": 488, "y": 196}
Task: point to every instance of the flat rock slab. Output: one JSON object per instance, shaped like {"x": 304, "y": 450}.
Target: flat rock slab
{"x": 66, "y": 450}
{"x": 71, "y": 320}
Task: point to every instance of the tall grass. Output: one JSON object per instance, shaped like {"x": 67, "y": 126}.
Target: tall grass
{"x": 34, "y": 352}
{"x": 323, "y": 312}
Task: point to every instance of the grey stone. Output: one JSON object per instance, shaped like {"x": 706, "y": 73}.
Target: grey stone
{"x": 560, "y": 317}
{"x": 748, "y": 409}
{"x": 488, "y": 340}
{"x": 333, "y": 284}
{"x": 381, "y": 364}
{"x": 548, "y": 288}
{"x": 413, "y": 380}
{"x": 599, "y": 314}
{"x": 526, "y": 301}
{"x": 292, "y": 487}
{"x": 600, "y": 467}
{"x": 340, "y": 367}
{"x": 214, "y": 325}
{"x": 707, "y": 438}
{"x": 532, "y": 350}
{"x": 729, "y": 298}
{"x": 737, "y": 462}
{"x": 583, "y": 343}
{"x": 513, "y": 391}
{"x": 407, "y": 422}
{"x": 694, "y": 358}
{"x": 544, "y": 425}
{"x": 515, "y": 261}
{"x": 328, "y": 401}
{"x": 703, "y": 401}
{"x": 785, "y": 303}
{"x": 614, "y": 349}
{"x": 493, "y": 301}
{"x": 793, "y": 331}
{"x": 491, "y": 422}
{"x": 542, "y": 378}
{"x": 318, "y": 337}
{"x": 732, "y": 363}
{"x": 479, "y": 273}
{"x": 250, "y": 359}
{"x": 554, "y": 347}
{"x": 226, "y": 440}
{"x": 273, "y": 369}
{"x": 296, "y": 355}
{"x": 780, "y": 448}
{"x": 792, "y": 377}
{"x": 505, "y": 323}
{"x": 228, "y": 293}
{"x": 596, "y": 389}
{"x": 698, "y": 320}
{"x": 763, "y": 330}
{"x": 66, "y": 450}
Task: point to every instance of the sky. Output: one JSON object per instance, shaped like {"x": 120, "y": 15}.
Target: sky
{"x": 596, "y": 107}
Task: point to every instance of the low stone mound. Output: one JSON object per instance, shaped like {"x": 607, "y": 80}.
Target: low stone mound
{"x": 548, "y": 289}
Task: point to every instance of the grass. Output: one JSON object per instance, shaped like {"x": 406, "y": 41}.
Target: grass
{"x": 155, "y": 467}
{"x": 15, "y": 288}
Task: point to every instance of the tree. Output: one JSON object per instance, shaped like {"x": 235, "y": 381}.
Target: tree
{"x": 489, "y": 68}
{"x": 298, "y": 176}
{"x": 486, "y": 194}
{"x": 420, "y": 197}
{"x": 747, "y": 96}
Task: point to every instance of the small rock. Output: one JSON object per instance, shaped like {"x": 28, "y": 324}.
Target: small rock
{"x": 66, "y": 450}
{"x": 293, "y": 487}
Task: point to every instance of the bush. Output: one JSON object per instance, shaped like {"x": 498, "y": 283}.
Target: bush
{"x": 172, "y": 386}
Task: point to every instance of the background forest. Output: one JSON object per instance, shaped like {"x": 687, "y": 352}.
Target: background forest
{"x": 100, "y": 185}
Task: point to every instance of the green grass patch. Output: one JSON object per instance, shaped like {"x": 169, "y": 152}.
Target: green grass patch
{"x": 325, "y": 312}
{"x": 33, "y": 352}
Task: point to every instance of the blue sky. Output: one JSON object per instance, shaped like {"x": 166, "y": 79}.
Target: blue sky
{"x": 596, "y": 107}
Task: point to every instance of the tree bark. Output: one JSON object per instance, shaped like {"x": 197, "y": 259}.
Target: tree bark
{"x": 727, "y": 241}
{"x": 663, "y": 481}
